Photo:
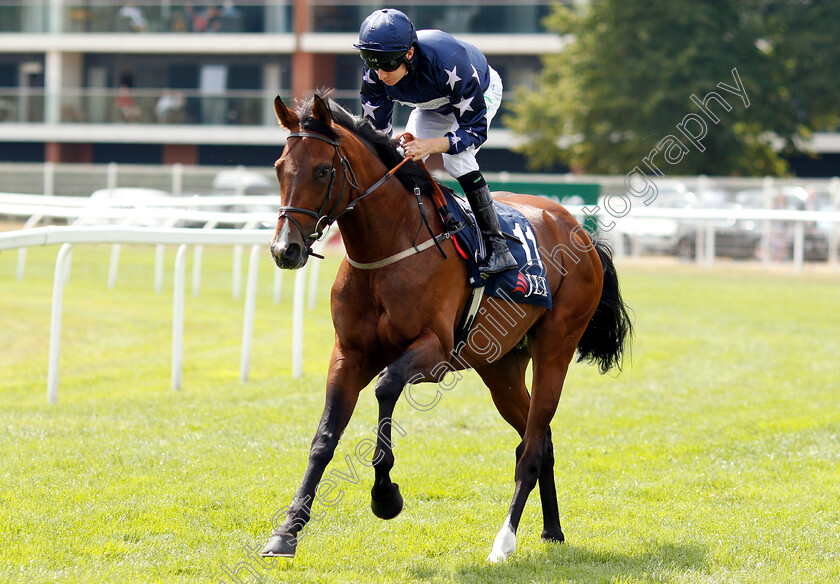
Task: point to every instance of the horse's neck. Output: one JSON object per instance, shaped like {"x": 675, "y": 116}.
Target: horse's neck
{"x": 383, "y": 224}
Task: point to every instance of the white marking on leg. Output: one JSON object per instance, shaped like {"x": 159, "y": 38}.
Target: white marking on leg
{"x": 504, "y": 544}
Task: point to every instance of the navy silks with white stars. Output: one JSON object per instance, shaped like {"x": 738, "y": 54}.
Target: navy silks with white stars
{"x": 449, "y": 77}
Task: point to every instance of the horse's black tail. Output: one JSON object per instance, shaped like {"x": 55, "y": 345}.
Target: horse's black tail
{"x": 608, "y": 334}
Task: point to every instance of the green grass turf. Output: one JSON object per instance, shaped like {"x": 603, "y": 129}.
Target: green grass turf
{"x": 714, "y": 457}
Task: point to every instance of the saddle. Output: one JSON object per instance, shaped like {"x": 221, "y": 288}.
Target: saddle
{"x": 528, "y": 284}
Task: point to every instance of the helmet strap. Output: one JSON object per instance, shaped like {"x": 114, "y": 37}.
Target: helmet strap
{"x": 409, "y": 63}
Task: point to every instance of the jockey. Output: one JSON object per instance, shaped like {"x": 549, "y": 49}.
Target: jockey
{"x": 454, "y": 93}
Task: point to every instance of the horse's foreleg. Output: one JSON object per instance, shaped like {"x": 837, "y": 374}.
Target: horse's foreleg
{"x": 333, "y": 421}
{"x": 342, "y": 393}
{"x": 420, "y": 358}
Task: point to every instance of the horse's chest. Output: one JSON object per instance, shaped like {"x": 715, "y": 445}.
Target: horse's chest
{"x": 373, "y": 328}
{"x": 395, "y": 331}
{"x": 386, "y": 316}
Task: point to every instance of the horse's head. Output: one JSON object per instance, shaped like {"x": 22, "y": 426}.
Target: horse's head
{"x": 315, "y": 179}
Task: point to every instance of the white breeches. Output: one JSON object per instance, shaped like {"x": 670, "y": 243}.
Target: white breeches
{"x": 429, "y": 124}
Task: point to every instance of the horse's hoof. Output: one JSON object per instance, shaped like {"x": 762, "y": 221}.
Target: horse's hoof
{"x": 386, "y": 501}
{"x": 503, "y": 545}
{"x": 281, "y": 545}
{"x": 554, "y": 535}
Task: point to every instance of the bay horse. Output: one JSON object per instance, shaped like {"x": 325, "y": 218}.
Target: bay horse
{"x": 396, "y": 319}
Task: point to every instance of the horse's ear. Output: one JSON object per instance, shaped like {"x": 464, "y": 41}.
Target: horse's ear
{"x": 287, "y": 118}
{"x": 321, "y": 111}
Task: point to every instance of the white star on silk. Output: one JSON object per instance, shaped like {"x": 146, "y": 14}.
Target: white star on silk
{"x": 368, "y": 109}
{"x": 475, "y": 74}
{"x": 454, "y": 139}
{"x": 463, "y": 105}
{"x": 366, "y": 77}
{"x": 453, "y": 77}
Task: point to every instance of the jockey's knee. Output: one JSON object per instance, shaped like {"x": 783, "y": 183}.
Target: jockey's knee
{"x": 460, "y": 164}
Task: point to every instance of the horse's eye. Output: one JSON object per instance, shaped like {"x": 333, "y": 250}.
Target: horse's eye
{"x": 323, "y": 172}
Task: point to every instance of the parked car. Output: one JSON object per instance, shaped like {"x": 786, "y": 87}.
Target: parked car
{"x": 782, "y": 233}
{"x": 652, "y": 235}
{"x": 248, "y": 182}
{"x": 233, "y": 183}
{"x": 734, "y": 238}
{"x": 830, "y": 229}
{"x": 126, "y": 198}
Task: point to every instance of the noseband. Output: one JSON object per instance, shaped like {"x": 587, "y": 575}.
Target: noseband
{"x": 324, "y": 220}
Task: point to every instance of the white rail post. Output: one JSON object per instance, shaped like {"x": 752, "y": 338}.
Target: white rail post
{"x": 834, "y": 229}
{"x": 236, "y": 276}
{"x": 635, "y": 247}
{"x": 239, "y": 186}
{"x": 198, "y": 258}
{"x": 177, "y": 179}
{"x": 701, "y": 243}
{"x": 178, "y": 317}
{"x": 277, "y": 286}
{"x": 618, "y": 240}
{"x": 798, "y": 245}
{"x": 250, "y": 309}
{"x": 21, "y": 260}
{"x": 111, "y": 176}
{"x": 766, "y": 224}
{"x": 709, "y": 252}
{"x": 116, "y": 249}
{"x": 297, "y": 322}
{"x": 159, "y": 257}
{"x": 238, "y": 250}
{"x": 314, "y": 271}
{"x": 59, "y": 279}
{"x": 114, "y": 265}
{"x": 49, "y": 178}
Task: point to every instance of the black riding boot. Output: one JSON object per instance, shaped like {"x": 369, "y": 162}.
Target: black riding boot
{"x": 499, "y": 258}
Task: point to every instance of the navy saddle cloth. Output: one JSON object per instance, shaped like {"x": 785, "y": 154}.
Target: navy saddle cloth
{"x": 528, "y": 284}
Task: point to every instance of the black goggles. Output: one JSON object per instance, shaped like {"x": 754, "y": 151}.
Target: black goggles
{"x": 385, "y": 62}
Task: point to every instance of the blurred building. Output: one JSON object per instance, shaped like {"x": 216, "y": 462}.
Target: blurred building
{"x": 165, "y": 81}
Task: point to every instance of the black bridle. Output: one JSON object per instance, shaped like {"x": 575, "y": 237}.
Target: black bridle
{"x": 325, "y": 220}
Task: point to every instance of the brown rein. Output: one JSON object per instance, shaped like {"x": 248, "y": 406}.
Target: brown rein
{"x": 328, "y": 219}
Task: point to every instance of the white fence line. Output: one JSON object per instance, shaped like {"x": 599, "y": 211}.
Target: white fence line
{"x": 67, "y": 236}
{"x": 170, "y": 210}
{"x": 705, "y": 237}
{"x": 74, "y": 178}
{"x": 168, "y": 216}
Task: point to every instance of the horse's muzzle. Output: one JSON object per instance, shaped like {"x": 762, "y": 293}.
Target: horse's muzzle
{"x": 289, "y": 255}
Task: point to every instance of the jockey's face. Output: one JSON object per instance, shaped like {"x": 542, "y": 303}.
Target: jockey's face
{"x": 394, "y": 77}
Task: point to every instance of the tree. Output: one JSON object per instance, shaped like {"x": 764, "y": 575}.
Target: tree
{"x": 803, "y": 38}
{"x": 633, "y": 84}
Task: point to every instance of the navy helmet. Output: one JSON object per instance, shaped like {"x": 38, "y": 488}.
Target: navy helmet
{"x": 384, "y": 38}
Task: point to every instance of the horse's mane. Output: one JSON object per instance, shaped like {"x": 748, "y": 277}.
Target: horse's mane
{"x": 410, "y": 174}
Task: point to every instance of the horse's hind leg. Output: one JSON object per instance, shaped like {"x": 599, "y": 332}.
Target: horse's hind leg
{"x": 548, "y": 494}
{"x": 506, "y": 380}
{"x": 549, "y": 373}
